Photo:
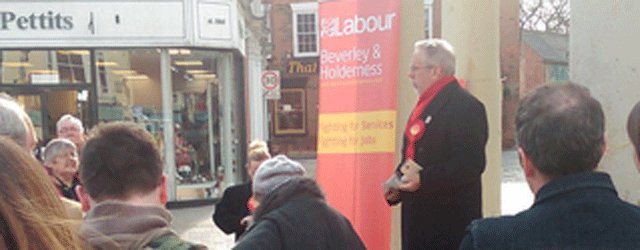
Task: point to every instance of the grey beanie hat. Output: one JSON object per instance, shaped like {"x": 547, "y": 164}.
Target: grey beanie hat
{"x": 273, "y": 173}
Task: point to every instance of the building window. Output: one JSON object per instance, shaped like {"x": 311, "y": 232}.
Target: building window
{"x": 305, "y": 29}
{"x": 557, "y": 73}
{"x": 45, "y": 67}
{"x": 290, "y": 115}
{"x": 71, "y": 67}
{"x": 428, "y": 19}
{"x": 133, "y": 92}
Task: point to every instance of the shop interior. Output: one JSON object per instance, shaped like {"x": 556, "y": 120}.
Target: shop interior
{"x": 50, "y": 83}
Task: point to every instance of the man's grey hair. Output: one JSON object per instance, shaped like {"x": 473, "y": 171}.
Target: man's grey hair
{"x": 12, "y": 124}
{"x": 70, "y": 118}
{"x": 438, "y": 52}
{"x": 55, "y": 147}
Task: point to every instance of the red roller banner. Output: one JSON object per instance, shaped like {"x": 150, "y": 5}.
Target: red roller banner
{"x": 359, "y": 42}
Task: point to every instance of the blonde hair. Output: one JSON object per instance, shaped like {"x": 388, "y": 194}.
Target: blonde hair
{"x": 31, "y": 214}
{"x": 258, "y": 151}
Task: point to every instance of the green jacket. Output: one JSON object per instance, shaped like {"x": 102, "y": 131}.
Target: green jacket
{"x": 171, "y": 242}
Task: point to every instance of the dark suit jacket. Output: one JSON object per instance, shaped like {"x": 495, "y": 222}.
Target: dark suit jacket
{"x": 452, "y": 153}
{"x": 232, "y": 208}
{"x": 580, "y": 211}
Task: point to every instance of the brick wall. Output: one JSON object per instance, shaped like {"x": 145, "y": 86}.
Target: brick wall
{"x": 509, "y": 67}
{"x": 532, "y": 72}
{"x": 282, "y": 35}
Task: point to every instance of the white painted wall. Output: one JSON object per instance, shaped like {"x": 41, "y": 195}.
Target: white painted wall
{"x": 604, "y": 56}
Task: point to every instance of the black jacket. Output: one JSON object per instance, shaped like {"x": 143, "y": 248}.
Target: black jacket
{"x": 452, "y": 153}
{"x": 580, "y": 211}
{"x": 68, "y": 192}
{"x": 296, "y": 216}
{"x": 232, "y": 208}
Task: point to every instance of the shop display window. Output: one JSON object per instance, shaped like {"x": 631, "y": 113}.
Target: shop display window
{"x": 45, "y": 67}
{"x": 48, "y": 84}
{"x": 129, "y": 88}
{"x": 290, "y": 113}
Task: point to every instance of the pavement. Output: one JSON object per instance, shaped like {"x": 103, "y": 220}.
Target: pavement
{"x": 195, "y": 224}
{"x": 515, "y": 193}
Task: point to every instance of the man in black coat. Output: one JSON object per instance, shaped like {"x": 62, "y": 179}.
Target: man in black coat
{"x": 560, "y": 133}
{"x": 446, "y": 137}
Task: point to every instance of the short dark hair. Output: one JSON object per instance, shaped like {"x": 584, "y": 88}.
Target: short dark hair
{"x": 120, "y": 159}
{"x": 561, "y": 129}
{"x": 633, "y": 127}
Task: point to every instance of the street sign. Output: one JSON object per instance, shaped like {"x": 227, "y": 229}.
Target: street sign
{"x": 271, "y": 84}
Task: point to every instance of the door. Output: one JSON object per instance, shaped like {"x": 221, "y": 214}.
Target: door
{"x": 45, "y": 106}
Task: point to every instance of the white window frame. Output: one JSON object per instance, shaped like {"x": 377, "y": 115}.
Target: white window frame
{"x": 298, "y": 9}
{"x": 428, "y": 10}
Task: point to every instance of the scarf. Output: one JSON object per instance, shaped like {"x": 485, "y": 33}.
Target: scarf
{"x": 416, "y": 128}
{"x": 118, "y": 225}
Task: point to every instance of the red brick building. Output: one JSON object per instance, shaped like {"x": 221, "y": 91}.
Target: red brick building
{"x": 545, "y": 59}
{"x": 294, "y": 117}
{"x": 509, "y": 67}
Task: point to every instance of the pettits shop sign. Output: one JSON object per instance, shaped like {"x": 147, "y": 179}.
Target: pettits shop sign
{"x": 39, "y": 21}
{"x": 48, "y": 20}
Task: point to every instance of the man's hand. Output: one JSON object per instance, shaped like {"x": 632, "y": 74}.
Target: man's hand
{"x": 247, "y": 221}
{"x": 392, "y": 195}
{"x": 409, "y": 183}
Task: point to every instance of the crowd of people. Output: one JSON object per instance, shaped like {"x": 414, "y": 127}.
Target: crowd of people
{"x": 105, "y": 189}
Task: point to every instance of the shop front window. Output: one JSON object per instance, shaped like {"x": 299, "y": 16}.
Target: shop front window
{"x": 40, "y": 67}
{"x": 48, "y": 84}
{"x": 130, "y": 88}
{"x": 195, "y": 105}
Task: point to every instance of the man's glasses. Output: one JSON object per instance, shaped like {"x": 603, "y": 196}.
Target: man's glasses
{"x": 68, "y": 129}
{"x": 415, "y": 68}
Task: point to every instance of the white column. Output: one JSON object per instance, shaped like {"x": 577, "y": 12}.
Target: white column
{"x": 257, "y": 102}
{"x": 472, "y": 27}
{"x": 412, "y": 13}
{"x": 603, "y": 48}
{"x": 167, "y": 123}
{"x": 227, "y": 140}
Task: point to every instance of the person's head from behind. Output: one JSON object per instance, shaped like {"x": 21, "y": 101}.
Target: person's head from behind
{"x": 560, "y": 131}
{"x": 121, "y": 162}
{"x": 70, "y": 127}
{"x": 31, "y": 214}
{"x": 257, "y": 153}
{"x": 633, "y": 130}
{"x": 16, "y": 124}
{"x": 274, "y": 172}
{"x": 432, "y": 60}
{"x": 61, "y": 159}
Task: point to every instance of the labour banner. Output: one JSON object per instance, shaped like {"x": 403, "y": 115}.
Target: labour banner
{"x": 357, "y": 121}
